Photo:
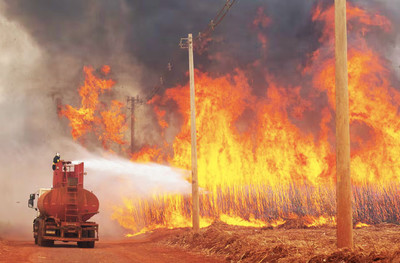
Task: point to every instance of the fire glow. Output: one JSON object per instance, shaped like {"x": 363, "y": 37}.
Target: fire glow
{"x": 107, "y": 123}
{"x": 256, "y": 166}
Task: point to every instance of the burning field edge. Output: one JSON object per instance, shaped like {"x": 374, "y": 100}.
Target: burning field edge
{"x": 261, "y": 158}
{"x": 378, "y": 243}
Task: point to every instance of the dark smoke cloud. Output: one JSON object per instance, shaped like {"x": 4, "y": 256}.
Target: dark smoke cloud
{"x": 391, "y": 46}
{"x": 148, "y": 32}
{"x": 127, "y": 33}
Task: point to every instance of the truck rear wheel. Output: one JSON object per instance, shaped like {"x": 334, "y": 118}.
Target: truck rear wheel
{"x": 40, "y": 240}
{"x": 82, "y": 244}
{"x": 86, "y": 244}
{"x": 44, "y": 243}
{"x": 90, "y": 244}
{"x": 49, "y": 243}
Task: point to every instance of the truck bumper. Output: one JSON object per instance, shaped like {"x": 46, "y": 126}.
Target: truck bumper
{"x": 70, "y": 239}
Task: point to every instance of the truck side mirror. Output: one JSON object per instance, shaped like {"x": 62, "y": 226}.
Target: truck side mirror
{"x": 30, "y": 201}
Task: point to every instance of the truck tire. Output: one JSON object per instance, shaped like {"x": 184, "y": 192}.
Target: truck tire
{"x": 49, "y": 243}
{"x": 36, "y": 224}
{"x": 90, "y": 244}
{"x": 82, "y": 244}
{"x": 86, "y": 244}
{"x": 40, "y": 240}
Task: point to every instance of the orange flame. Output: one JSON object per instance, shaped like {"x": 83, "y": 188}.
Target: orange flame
{"x": 93, "y": 116}
{"x": 114, "y": 124}
{"x": 256, "y": 166}
{"x": 361, "y": 225}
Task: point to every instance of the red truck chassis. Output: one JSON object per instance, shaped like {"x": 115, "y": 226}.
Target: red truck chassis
{"x": 46, "y": 230}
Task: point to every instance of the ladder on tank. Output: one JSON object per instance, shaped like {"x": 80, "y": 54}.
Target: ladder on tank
{"x": 71, "y": 208}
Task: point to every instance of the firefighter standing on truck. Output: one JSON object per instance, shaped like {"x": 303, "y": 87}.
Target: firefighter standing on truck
{"x": 56, "y": 159}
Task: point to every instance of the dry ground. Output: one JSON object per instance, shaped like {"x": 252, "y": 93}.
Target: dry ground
{"x": 222, "y": 243}
{"x": 379, "y": 243}
{"x": 143, "y": 249}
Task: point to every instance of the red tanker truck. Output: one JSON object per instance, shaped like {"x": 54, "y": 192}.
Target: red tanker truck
{"x": 64, "y": 210}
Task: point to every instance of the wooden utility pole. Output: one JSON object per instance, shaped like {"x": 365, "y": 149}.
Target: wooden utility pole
{"x": 133, "y": 101}
{"x": 132, "y": 108}
{"x": 195, "y": 183}
{"x": 59, "y": 106}
{"x": 343, "y": 188}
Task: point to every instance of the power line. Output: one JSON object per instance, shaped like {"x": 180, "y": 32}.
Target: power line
{"x": 216, "y": 20}
{"x": 203, "y": 35}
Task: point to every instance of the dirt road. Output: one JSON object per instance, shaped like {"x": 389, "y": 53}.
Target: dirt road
{"x": 141, "y": 249}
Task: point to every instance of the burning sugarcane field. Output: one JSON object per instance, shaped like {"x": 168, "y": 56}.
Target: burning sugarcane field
{"x": 200, "y": 131}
